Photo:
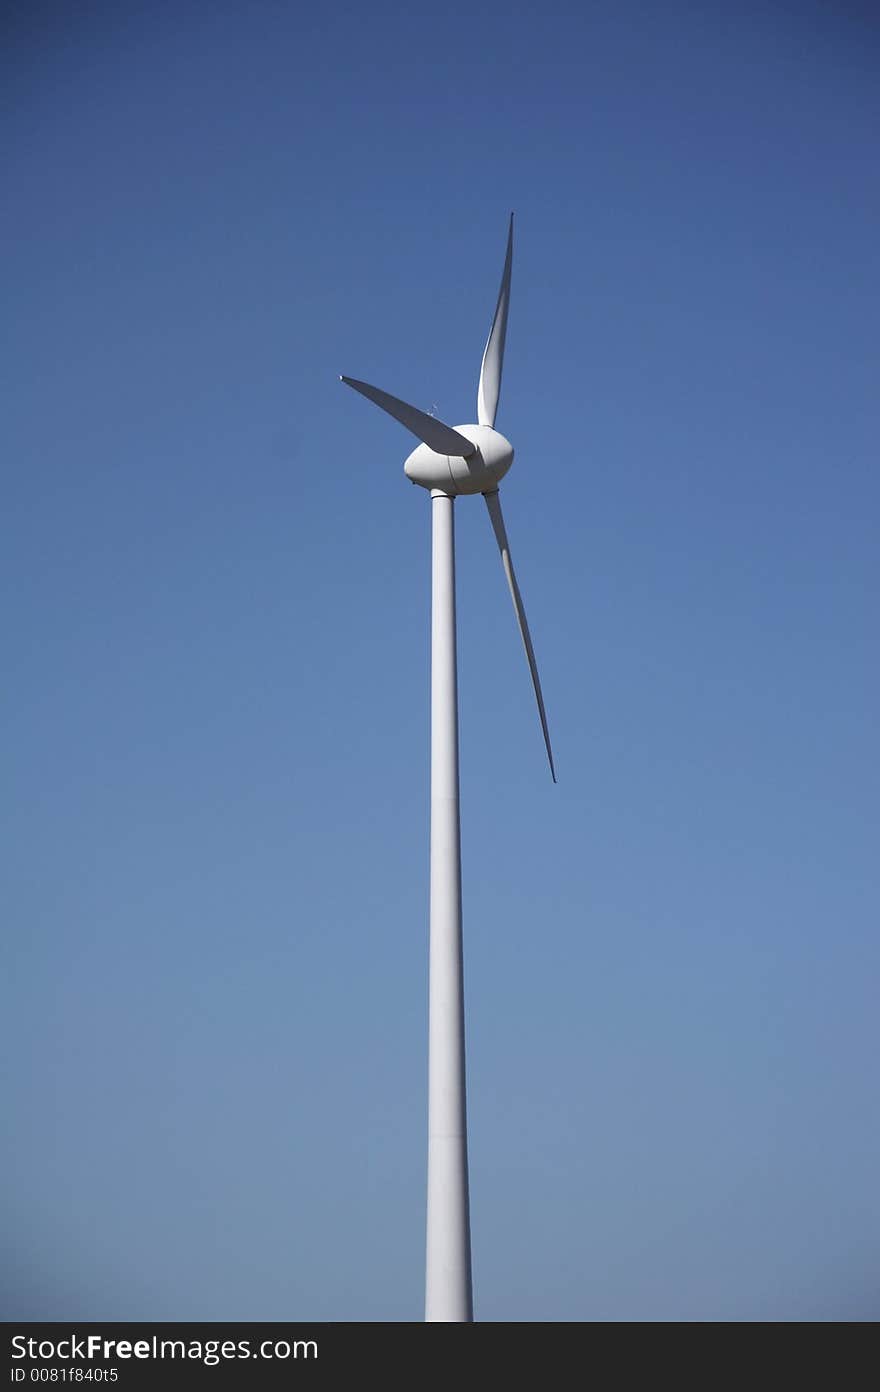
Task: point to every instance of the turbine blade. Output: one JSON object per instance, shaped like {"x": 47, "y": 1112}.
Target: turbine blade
{"x": 437, "y": 436}
{"x": 493, "y": 503}
{"x": 493, "y": 358}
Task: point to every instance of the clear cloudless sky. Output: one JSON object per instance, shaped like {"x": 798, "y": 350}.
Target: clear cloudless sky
{"x": 216, "y": 655}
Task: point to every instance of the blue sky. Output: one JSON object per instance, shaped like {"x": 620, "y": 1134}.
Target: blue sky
{"x": 216, "y": 584}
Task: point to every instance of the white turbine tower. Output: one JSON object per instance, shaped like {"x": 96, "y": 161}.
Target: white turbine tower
{"x": 449, "y": 462}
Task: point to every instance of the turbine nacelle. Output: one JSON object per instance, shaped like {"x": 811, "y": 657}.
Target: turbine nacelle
{"x": 478, "y": 472}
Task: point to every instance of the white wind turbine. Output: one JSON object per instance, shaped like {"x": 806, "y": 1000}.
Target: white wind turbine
{"x": 449, "y": 462}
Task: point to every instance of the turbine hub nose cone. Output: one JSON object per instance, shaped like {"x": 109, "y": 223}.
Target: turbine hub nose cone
{"x": 481, "y": 472}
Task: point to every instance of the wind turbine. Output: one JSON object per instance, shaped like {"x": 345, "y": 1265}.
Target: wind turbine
{"x": 451, "y": 462}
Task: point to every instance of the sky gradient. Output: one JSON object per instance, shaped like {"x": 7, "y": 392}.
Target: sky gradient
{"x": 216, "y": 583}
